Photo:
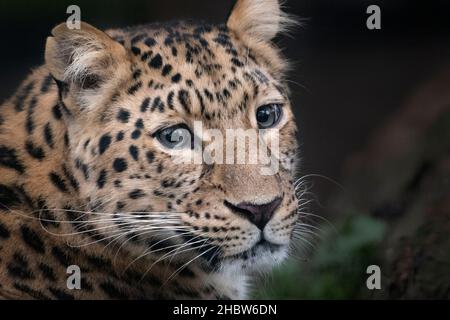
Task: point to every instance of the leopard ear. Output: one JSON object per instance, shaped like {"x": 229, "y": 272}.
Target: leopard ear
{"x": 260, "y": 19}
{"x": 86, "y": 57}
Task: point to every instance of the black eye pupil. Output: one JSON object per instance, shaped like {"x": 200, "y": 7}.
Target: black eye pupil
{"x": 171, "y": 137}
{"x": 174, "y": 137}
{"x": 263, "y": 115}
{"x": 268, "y": 115}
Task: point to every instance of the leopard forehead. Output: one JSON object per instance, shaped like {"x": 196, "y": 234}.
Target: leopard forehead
{"x": 200, "y": 71}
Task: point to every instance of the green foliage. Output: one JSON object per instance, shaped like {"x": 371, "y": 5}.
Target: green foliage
{"x": 337, "y": 268}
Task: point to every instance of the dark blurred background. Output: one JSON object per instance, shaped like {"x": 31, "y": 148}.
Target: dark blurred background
{"x": 346, "y": 80}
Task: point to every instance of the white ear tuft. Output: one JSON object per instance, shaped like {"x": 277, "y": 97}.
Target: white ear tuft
{"x": 76, "y": 55}
{"x": 87, "y": 61}
{"x": 260, "y": 19}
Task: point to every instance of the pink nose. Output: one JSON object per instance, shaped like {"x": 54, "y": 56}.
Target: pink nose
{"x": 258, "y": 214}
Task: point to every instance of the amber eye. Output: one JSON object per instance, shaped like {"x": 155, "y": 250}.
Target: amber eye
{"x": 178, "y": 136}
{"x": 268, "y": 115}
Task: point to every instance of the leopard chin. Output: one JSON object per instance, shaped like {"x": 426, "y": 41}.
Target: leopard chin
{"x": 261, "y": 258}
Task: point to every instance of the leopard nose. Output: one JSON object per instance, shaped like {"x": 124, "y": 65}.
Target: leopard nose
{"x": 258, "y": 214}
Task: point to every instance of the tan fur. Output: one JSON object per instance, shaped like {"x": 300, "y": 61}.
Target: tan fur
{"x": 257, "y": 22}
{"x": 259, "y": 19}
{"x": 62, "y": 181}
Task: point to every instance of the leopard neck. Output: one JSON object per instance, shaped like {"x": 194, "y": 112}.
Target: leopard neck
{"x": 34, "y": 149}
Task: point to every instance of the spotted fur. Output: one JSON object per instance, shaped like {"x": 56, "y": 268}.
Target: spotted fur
{"x": 83, "y": 180}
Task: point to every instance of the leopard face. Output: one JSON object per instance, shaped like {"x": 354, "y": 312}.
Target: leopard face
{"x": 125, "y": 93}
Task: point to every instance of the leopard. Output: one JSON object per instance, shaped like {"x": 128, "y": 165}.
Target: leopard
{"x": 94, "y": 205}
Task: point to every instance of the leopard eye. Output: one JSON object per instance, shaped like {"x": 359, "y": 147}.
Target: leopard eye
{"x": 268, "y": 115}
{"x": 178, "y": 136}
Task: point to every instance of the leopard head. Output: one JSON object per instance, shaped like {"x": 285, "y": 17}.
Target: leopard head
{"x": 132, "y": 103}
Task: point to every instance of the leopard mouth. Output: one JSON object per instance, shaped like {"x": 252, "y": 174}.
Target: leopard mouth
{"x": 266, "y": 245}
{"x": 262, "y": 246}
{"x": 212, "y": 254}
